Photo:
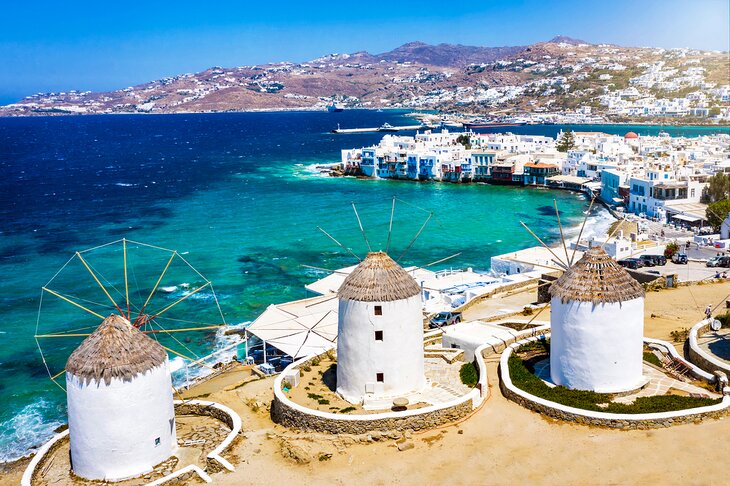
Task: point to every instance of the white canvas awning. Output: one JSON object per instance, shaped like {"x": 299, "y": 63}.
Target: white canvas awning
{"x": 301, "y": 328}
{"x": 685, "y": 217}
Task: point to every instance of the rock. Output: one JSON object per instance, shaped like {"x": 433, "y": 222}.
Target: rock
{"x": 295, "y": 453}
{"x": 408, "y": 434}
{"x": 460, "y": 431}
{"x": 404, "y": 446}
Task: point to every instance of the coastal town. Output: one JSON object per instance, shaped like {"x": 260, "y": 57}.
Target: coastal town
{"x": 348, "y": 243}
{"x": 657, "y": 177}
{"x": 562, "y": 80}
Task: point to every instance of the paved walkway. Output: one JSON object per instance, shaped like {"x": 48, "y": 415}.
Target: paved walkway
{"x": 717, "y": 344}
{"x": 659, "y": 383}
{"x": 443, "y": 385}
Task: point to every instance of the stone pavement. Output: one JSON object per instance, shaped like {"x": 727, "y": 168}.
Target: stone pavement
{"x": 716, "y": 343}
{"x": 443, "y": 385}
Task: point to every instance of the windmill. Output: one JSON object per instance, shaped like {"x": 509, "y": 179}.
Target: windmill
{"x": 304, "y": 328}
{"x": 155, "y": 289}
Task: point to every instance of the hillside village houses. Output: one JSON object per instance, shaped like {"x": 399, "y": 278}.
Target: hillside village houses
{"x": 658, "y": 177}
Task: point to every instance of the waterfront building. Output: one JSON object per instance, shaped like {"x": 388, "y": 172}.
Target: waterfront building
{"x": 379, "y": 332}
{"x": 536, "y": 173}
{"x": 121, "y": 418}
{"x": 597, "y": 326}
{"x": 481, "y": 163}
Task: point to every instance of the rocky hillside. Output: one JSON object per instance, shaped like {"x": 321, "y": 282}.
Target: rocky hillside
{"x": 561, "y": 74}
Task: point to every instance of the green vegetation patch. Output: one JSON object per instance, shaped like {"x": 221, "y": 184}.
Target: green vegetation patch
{"x": 524, "y": 379}
{"x": 650, "y": 357}
{"x": 469, "y": 374}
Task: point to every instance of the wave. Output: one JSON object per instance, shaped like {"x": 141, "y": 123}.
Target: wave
{"x": 225, "y": 349}
{"x": 27, "y": 430}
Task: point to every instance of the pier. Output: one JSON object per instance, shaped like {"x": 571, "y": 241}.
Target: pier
{"x": 384, "y": 128}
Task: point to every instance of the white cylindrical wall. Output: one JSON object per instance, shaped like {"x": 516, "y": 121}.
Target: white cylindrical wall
{"x": 360, "y": 357}
{"x": 114, "y": 428}
{"x": 597, "y": 347}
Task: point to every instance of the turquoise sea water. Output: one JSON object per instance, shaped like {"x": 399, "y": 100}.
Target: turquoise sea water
{"x": 237, "y": 196}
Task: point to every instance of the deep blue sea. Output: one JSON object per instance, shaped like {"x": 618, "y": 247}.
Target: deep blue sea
{"x": 236, "y": 195}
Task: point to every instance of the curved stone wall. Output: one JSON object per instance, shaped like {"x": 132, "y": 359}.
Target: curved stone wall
{"x": 699, "y": 356}
{"x": 288, "y": 413}
{"x": 601, "y": 419}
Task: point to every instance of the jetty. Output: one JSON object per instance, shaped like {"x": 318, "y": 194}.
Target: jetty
{"x": 386, "y": 127}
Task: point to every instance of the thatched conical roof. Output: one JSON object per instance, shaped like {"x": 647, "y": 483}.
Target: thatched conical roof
{"x": 378, "y": 279}
{"x": 596, "y": 278}
{"x": 116, "y": 349}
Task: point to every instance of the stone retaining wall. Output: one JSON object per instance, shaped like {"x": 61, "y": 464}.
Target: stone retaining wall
{"x": 699, "y": 356}
{"x": 284, "y": 414}
{"x": 601, "y": 419}
{"x": 290, "y": 414}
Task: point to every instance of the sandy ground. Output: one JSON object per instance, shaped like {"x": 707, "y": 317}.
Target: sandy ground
{"x": 501, "y": 443}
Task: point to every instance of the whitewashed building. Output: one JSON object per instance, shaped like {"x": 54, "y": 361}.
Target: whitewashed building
{"x": 120, "y": 413}
{"x": 380, "y": 332}
{"x": 597, "y": 326}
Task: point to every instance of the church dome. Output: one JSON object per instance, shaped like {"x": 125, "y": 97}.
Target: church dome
{"x": 631, "y": 135}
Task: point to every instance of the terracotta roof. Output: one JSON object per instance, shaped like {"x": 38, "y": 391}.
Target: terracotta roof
{"x": 378, "y": 279}
{"x": 596, "y": 278}
{"x": 631, "y": 135}
{"x": 116, "y": 349}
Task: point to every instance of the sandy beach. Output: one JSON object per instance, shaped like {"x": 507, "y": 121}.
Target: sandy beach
{"x": 499, "y": 443}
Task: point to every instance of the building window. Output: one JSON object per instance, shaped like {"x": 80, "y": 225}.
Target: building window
{"x": 378, "y": 310}
{"x": 378, "y": 335}
{"x": 379, "y": 377}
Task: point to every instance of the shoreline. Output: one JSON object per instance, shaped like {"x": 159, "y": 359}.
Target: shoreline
{"x": 409, "y": 111}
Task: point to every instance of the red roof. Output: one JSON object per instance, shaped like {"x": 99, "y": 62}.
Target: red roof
{"x": 631, "y": 135}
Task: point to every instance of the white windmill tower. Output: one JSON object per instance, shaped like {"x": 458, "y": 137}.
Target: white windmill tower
{"x": 379, "y": 331}
{"x": 120, "y": 412}
{"x": 118, "y": 383}
{"x": 380, "y": 349}
{"x": 597, "y": 322}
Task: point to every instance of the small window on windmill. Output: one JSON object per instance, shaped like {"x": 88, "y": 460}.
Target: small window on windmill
{"x": 157, "y": 441}
{"x": 378, "y": 310}
{"x": 380, "y": 377}
{"x": 378, "y": 335}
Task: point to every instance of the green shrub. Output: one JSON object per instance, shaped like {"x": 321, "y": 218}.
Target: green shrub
{"x": 525, "y": 380}
{"x": 650, "y": 357}
{"x": 347, "y": 410}
{"x": 469, "y": 374}
{"x": 323, "y": 401}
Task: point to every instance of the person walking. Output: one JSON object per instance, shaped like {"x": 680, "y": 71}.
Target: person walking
{"x": 708, "y": 312}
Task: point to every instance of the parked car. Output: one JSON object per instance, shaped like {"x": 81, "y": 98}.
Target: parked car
{"x": 680, "y": 258}
{"x": 659, "y": 260}
{"x": 648, "y": 260}
{"x": 632, "y": 263}
{"x": 714, "y": 261}
{"x": 444, "y": 319}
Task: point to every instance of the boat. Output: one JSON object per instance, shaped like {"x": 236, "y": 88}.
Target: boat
{"x": 334, "y": 108}
{"x": 387, "y": 127}
{"x": 482, "y": 123}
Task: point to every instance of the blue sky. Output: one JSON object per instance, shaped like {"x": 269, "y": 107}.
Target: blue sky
{"x": 57, "y": 46}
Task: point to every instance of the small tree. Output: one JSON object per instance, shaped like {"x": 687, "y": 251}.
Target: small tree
{"x": 670, "y": 250}
{"x": 714, "y": 111}
{"x": 717, "y": 189}
{"x": 464, "y": 140}
{"x": 717, "y": 212}
{"x": 566, "y": 142}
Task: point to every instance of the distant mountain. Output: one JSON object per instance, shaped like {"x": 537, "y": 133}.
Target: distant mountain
{"x": 561, "y": 74}
{"x": 562, "y": 39}
{"x": 453, "y": 55}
